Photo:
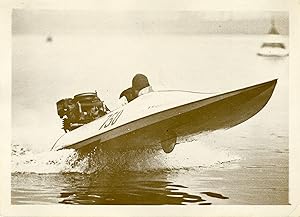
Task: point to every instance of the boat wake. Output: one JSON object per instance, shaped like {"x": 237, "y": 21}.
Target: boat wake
{"x": 198, "y": 151}
{"x": 25, "y": 160}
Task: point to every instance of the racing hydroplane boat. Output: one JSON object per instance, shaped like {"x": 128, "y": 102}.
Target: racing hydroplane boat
{"x": 156, "y": 119}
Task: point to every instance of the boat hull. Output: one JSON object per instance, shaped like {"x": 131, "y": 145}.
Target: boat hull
{"x": 272, "y": 52}
{"x": 216, "y": 112}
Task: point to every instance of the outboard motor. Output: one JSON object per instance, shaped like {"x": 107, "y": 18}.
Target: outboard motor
{"x": 80, "y": 110}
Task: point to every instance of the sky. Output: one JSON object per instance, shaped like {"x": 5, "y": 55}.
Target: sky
{"x": 160, "y": 22}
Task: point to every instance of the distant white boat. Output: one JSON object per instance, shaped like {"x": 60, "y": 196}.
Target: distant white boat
{"x": 273, "y": 46}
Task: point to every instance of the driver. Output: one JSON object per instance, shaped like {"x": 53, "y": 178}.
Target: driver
{"x": 140, "y": 86}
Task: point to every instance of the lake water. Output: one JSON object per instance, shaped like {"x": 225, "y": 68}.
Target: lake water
{"x": 247, "y": 164}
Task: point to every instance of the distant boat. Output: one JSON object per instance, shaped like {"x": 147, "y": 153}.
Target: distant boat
{"x": 273, "y": 46}
{"x": 49, "y": 39}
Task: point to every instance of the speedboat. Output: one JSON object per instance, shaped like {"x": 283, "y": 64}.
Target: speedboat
{"x": 159, "y": 119}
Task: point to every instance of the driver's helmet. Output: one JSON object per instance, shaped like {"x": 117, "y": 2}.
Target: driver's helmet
{"x": 139, "y": 82}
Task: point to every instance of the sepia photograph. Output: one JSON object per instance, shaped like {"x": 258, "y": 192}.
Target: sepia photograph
{"x": 150, "y": 107}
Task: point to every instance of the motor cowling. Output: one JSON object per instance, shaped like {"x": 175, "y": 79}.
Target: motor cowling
{"x": 79, "y": 110}
{"x": 62, "y": 106}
